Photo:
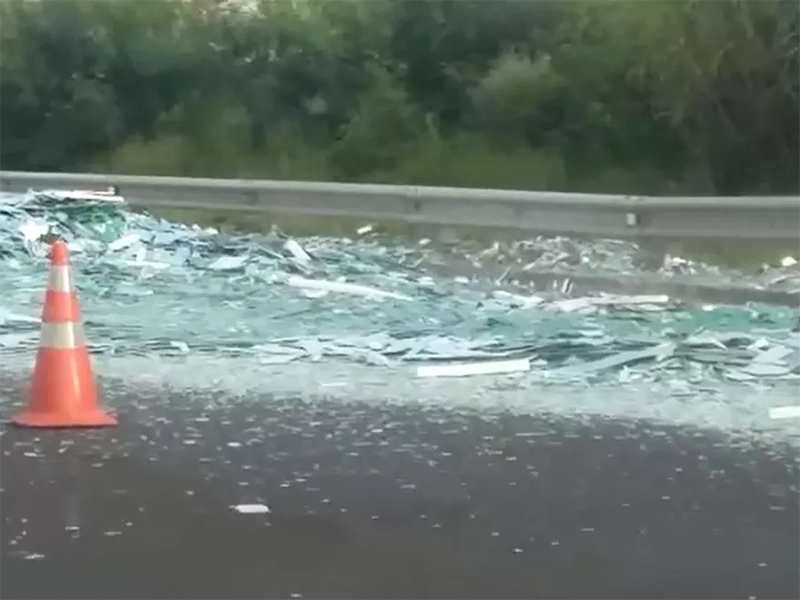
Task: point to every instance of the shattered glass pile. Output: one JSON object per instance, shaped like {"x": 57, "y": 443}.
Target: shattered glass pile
{"x": 628, "y": 261}
{"x": 151, "y": 287}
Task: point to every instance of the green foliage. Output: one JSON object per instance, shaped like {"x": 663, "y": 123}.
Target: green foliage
{"x": 379, "y": 132}
{"x": 667, "y": 96}
{"x": 520, "y": 98}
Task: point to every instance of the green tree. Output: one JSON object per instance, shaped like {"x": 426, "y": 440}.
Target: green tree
{"x": 724, "y": 76}
{"x": 627, "y": 96}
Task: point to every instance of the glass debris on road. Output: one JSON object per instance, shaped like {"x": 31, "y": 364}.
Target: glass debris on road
{"x": 784, "y": 412}
{"x": 251, "y": 509}
{"x": 491, "y": 367}
{"x": 282, "y": 300}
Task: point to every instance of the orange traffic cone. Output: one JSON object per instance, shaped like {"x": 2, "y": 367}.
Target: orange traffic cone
{"x": 62, "y": 390}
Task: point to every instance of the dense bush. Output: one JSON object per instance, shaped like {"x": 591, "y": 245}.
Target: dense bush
{"x": 626, "y": 96}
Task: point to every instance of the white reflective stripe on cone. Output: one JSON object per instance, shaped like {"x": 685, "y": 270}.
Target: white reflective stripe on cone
{"x": 62, "y": 335}
{"x": 59, "y": 279}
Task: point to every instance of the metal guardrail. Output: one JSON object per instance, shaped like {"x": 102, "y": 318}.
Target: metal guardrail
{"x": 773, "y": 218}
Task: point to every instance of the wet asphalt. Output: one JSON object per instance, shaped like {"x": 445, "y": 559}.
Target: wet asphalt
{"x": 372, "y": 501}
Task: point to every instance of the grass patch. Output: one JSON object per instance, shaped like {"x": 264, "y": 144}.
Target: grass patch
{"x": 175, "y": 155}
{"x": 463, "y": 161}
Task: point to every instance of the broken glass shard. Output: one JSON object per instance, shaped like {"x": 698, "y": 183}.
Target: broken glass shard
{"x": 228, "y": 263}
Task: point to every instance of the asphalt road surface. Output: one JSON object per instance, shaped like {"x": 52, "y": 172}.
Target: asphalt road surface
{"x": 379, "y": 501}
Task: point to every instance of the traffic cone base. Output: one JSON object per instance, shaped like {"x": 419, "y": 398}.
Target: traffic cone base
{"x": 98, "y": 418}
{"x": 62, "y": 392}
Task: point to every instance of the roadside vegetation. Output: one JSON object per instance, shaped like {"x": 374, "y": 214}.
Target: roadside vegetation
{"x": 665, "y": 96}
